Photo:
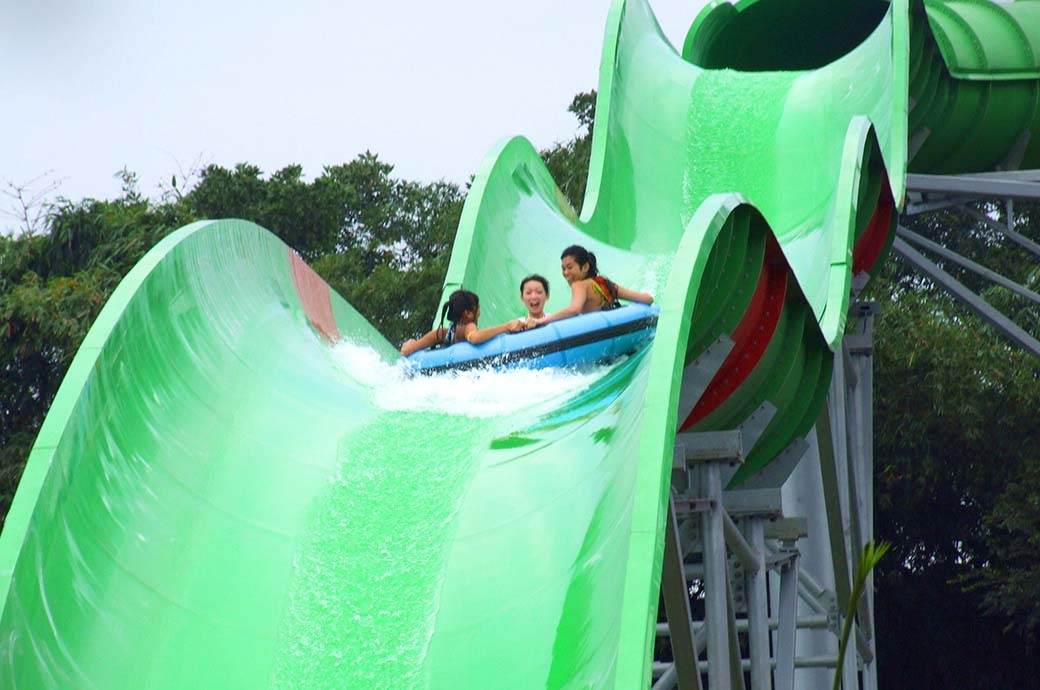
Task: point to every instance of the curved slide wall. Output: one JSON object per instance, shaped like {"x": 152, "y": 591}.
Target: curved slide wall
{"x": 214, "y": 501}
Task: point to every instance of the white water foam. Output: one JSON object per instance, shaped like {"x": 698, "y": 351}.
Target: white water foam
{"x": 655, "y": 273}
{"x": 473, "y": 393}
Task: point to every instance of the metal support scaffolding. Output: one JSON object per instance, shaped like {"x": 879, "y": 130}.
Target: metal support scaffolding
{"x": 844, "y": 443}
{"x": 740, "y": 539}
{"x": 981, "y": 307}
{"x": 758, "y": 597}
{"x": 928, "y": 193}
{"x": 716, "y": 576}
{"x": 677, "y": 608}
{"x": 976, "y": 268}
{"x": 1007, "y": 230}
{"x": 931, "y": 192}
{"x": 768, "y": 623}
{"x": 859, "y": 415}
{"x": 1021, "y": 184}
{"x": 757, "y": 605}
{"x": 831, "y": 429}
{"x": 788, "y": 613}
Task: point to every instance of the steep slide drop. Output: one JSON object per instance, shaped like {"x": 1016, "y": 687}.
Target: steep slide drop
{"x": 216, "y": 501}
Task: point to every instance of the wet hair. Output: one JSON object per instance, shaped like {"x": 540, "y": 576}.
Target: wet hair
{"x": 582, "y": 256}
{"x": 536, "y": 277}
{"x": 459, "y": 302}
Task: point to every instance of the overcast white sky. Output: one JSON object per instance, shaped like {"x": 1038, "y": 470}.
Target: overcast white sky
{"x": 88, "y": 88}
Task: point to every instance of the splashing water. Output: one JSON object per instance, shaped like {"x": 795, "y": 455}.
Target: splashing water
{"x": 655, "y": 274}
{"x": 368, "y": 571}
{"x": 481, "y": 393}
{"x": 367, "y": 574}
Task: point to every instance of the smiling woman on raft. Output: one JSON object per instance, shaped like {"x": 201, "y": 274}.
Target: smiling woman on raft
{"x": 589, "y": 290}
{"x": 462, "y": 311}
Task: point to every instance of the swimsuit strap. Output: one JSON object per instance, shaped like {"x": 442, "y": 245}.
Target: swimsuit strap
{"x": 608, "y": 295}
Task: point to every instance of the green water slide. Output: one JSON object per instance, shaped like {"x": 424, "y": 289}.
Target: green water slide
{"x": 217, "y": 500}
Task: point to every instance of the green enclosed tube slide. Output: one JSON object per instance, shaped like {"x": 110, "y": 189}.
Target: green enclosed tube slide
{"x": 220, "y": 497}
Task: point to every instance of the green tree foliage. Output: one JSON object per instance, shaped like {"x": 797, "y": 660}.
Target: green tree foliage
{"x": 305, "y": 216}
{"x": 1010, "y": 583}
{"x": 868, "y": 560}
{"x": 381, "y": 242}
{"x": 52, "y": 286}
{"x": 393, "y": 247}
{"x": 569, "y": 162}
{"x": 957, "y": 452}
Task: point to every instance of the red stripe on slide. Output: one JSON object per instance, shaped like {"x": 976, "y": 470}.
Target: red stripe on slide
{"x": 751, "y": 336}
{"x": 871, "y": 243}
{"x": 314, "y": 296}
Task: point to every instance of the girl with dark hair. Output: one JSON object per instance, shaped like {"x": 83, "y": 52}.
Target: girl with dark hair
{"x": 589, "y": 290}
{"x": 462, "y": 311}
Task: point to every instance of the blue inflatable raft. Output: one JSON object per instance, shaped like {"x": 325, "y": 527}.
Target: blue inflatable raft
{"x": 595, "y": 337}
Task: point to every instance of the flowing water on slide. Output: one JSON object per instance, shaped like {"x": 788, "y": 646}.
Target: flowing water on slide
{"x": 367, "y": 574}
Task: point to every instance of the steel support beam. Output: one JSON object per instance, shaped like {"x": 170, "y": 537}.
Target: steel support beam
{"x": 814, "y": 622}
{"x": 981, "y": 307}
{"x": 716, "y": 610}
{"x": 711, "y": 445}
{"x": 677, "y": 607}
{"x": 917, "y": 139}
{"x": 967, "y": 263}
{"x": 819, "y": 598}
{"x": 830, "y": 432}
{"x": 787, "y": 628}
{"x": 984, "y": 185}
{"x": 661, "y": 669}
{"x": 915, "y": 208}
{"x": 752, "y": 428}
{"x": 1012, "y": 175}
{"x": 668, "y": 679}
{"x": 699, "y": 373}
{"x": 1018, "y": 238}
{"x": 702, "y": 462}
{"x": 736, "y": 671}
{"x": 758, "y": 608}
{"x": 751, "y": 559}
{"x": 861, "y": 454}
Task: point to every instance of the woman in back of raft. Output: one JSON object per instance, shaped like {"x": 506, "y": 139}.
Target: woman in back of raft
{"x": 589, "y": 290}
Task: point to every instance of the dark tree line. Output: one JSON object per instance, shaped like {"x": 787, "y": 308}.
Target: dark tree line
{"x": 957, "y": 480}
{"x": 957, "y": 474}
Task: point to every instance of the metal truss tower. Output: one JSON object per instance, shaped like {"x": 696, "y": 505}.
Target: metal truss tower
{"x": 756, "y": 579}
